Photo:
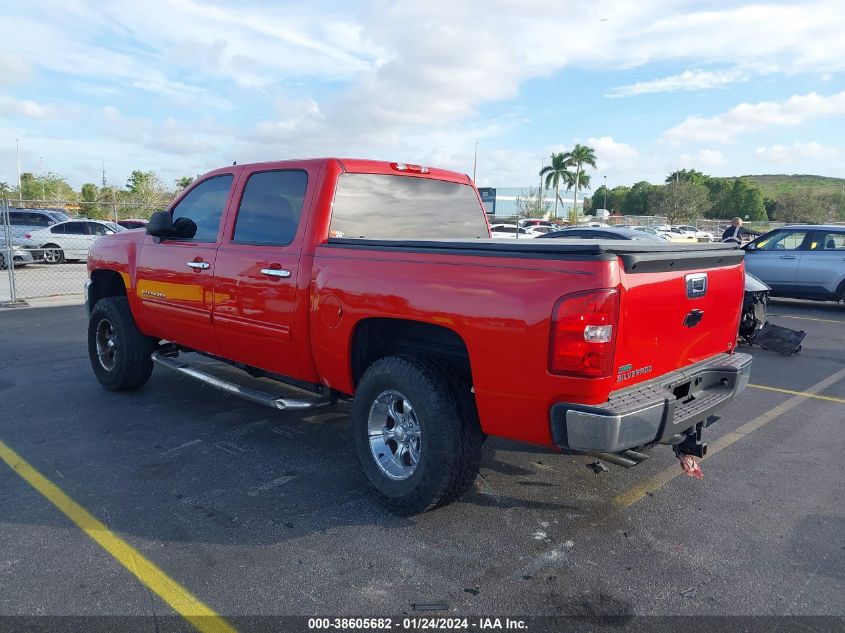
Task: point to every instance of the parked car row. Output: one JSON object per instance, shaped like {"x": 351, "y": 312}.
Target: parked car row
{"x": 37, "y": 235}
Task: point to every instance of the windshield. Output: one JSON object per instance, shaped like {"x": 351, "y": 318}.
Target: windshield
{"x": 114, "y": 227}
{"x": 379, "y": 206}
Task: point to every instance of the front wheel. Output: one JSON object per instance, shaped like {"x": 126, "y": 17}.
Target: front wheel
{"x": 120, "y": 354}
{"x": 416, "y": 433}
{"x": 53, "y": 254}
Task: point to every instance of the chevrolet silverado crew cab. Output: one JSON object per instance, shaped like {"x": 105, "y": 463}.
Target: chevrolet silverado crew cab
{"x": 379, "y": 282}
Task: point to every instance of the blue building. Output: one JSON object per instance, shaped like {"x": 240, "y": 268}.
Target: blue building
{"x": 501, "y": 201}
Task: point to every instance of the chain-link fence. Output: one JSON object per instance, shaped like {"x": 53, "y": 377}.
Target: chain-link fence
{"x": 44, "y": 244}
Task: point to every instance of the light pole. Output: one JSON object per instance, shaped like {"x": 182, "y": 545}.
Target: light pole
{"x": 474, "y": 162}
{"x": 605, "y": 193}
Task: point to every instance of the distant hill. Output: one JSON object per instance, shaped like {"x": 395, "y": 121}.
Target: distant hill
{"x": 774, "y": 184}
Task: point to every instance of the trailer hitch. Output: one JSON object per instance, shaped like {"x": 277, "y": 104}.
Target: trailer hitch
{"x": 692, "y": 444}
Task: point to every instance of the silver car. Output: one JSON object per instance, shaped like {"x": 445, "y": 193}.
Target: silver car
{"x": 801, "y": 261}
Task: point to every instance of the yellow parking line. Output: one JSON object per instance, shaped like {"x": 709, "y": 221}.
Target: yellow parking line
{"x": 182, "y": 601}
{"x": 789, "y": 316}
{"x": 800, "y": 393}
{"x": 631, "y": 496}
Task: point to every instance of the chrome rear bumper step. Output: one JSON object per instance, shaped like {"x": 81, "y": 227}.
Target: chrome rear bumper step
{"x": 165, "y": 359}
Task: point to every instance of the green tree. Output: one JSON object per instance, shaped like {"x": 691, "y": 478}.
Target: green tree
{"x": 735, "y": 197}
{"x": 686, "y": 175}
{"x": 618, "y": 198}
{"x": 88, "y": 202}
{"x": 184, "y": 182}
{"x": 679, "y": 201}
{"x": 579, "y": 156}
{"x": 146, "y": 192}
{"x": 532, "y": 204}
{"x": 799, "y": 206}
{"x": 637, "y": 200}
{"x": 555, "y": 174}
{"x": 5, "y": 190}
{"x": 599, "y": 196}
{"x": 49, "y": 188}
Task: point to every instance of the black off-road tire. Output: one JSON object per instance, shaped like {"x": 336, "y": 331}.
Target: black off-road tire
{"x": 131, "y": 365}
{"x": 451, "y": 438}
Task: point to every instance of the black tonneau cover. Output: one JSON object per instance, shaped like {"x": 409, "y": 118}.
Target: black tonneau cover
{"x": 638, "y": 256}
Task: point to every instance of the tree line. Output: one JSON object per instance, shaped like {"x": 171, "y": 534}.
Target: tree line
{"x": 688, "y": 194}
{"x": 143, "y": 193}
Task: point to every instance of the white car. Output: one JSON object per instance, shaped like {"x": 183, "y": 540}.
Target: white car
{"x": 701, "y": 236}
{"x": 650, "y": 231}
{"x": 510, "y": 231}
{"x": 69, "y": 240}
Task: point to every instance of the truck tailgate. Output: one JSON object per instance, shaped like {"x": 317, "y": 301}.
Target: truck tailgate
{"x": 670, "y": 319}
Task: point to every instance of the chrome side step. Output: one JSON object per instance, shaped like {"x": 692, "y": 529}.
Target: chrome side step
{"x": 165, "y": 359}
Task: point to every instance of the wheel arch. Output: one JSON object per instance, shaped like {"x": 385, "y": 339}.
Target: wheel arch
{"x": 378, "y": 337}
{"x": 104, "y": 283}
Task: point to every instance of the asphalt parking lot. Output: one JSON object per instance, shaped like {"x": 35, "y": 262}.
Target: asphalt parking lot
{"x": 261, "y": 513}
{"x": 45, "y": 280}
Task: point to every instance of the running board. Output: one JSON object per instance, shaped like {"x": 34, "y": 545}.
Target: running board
{"x": 254, "y": 395}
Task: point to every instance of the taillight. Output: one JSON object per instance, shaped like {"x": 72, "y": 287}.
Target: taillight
{"x": 414, "y": 169}
{"x": 28, "y": 236}
{"x": 582, "y": 338}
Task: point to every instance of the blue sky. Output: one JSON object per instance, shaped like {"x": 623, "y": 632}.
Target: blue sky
{"x": 183, "y": 86}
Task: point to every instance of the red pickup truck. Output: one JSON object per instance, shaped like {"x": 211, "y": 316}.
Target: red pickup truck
{"x": 379, "y": 282}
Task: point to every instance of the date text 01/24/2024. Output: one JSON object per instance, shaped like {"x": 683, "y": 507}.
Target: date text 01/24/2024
{"x": 415, "y": 624}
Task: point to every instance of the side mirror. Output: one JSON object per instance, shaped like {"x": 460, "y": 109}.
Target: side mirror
{"x": 160, "y": 224}
{"x": 751, "y": 247}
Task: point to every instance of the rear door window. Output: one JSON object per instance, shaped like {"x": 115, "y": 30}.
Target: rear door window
{"x": 270, "y": 208}
{"x": 203, "y": 206}
{"x": 833, "y": 241}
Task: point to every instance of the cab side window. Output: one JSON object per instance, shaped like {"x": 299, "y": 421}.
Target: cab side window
{"x": 270, "y": 208}
{"x": 783, "y": 241}
{"x": 833, "y": 241}
{"x": 203, "y": 208}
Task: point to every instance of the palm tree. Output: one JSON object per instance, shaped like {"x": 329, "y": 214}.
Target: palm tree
{"x": 556, "y": 173}
{"x": 583, "y": 183}
{"x": 579, "y": 156}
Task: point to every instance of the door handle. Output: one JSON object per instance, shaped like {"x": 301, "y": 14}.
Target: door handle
{"x": 199, "y": 265}
{"x": 276, "y": 272}
{"x": 787, "y": 257}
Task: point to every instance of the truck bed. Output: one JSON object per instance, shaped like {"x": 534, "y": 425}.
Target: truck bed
{"x": 636, "y": 256}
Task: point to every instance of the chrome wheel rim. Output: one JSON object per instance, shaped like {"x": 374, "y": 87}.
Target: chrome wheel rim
{"x": 51, "y": 255}
{"x": 106, "y": 340}
{"x": 394, "y": 435}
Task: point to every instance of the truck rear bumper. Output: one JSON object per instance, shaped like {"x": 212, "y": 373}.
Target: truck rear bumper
{"x": 658, "y": 411}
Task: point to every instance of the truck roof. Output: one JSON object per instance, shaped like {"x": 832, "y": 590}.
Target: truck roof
{"x": 362, "y": 166}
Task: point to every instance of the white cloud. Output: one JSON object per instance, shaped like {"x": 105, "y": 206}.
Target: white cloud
{"x": 704, "y": 158}
{"x": 388, "y": 79}
{"x": 27, "y": 108}
{"x": 687, "y": 80}
{"x": 748, "y": 117}
{"x": 612, "y": 154}
{"x": 796, "y": 152}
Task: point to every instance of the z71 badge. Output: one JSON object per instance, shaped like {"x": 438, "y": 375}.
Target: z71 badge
{"x": 626, "y": 372}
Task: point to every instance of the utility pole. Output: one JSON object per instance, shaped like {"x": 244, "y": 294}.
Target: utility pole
{"x": 605, "y": 192}
{"x": 104, "y": 172}
{"x": 474, "y": 162}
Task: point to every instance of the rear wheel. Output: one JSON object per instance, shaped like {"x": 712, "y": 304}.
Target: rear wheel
{"x": 53, "y": 254}
{"x": 119, "y": 352}
{"x": 416, "y": 433}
